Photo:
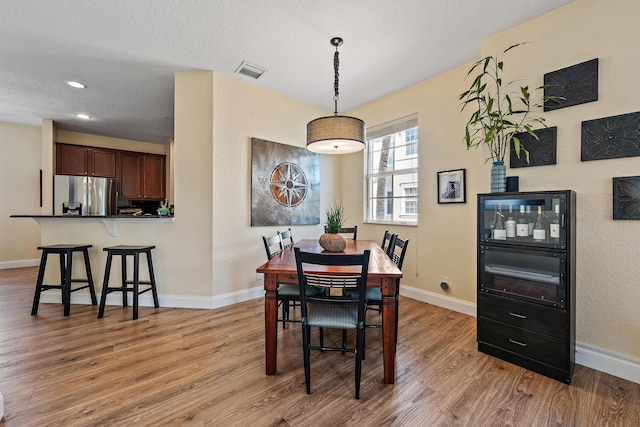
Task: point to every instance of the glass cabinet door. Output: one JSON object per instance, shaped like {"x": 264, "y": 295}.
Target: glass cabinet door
{"x": 536, "y": 219}
{"x": 531, "y": 275}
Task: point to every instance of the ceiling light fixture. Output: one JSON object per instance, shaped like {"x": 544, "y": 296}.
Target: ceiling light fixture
{"x": 335, "y": 134}
{"x": 83, "y": 116}
{"x": 77, "y": 85}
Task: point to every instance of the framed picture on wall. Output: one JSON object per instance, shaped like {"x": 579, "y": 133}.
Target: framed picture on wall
{"x": 452, "y": 186}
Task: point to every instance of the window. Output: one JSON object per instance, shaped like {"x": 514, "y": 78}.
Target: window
{"x": 392, "y": 172}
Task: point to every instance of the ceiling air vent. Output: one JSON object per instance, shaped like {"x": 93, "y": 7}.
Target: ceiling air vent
{"x": 250, "y": 70}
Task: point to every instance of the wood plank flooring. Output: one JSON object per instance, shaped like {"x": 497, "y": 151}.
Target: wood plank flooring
{"x": 184, "y": 367}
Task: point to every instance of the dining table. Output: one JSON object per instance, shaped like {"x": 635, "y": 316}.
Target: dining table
{"x": 382, "y": 272}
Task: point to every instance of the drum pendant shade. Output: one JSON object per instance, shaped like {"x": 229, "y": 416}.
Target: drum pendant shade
{"x": 335, "y": 134}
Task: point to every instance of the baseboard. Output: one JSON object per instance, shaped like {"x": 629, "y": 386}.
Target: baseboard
{"x": 591, "y": 357}
{"x": 440, "y": 300}
{"x": 19, "y": 263}
{"x": 610, "y": 363}
{"x": 176, "y": 301}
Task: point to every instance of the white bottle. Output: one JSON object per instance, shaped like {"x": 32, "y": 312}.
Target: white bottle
{"x": 554, "y": 227}
{"x": 522, "y": 225}
{"x": 531, "y": 221}
{"x": 539, "y": 233}
{"x": 510, "y": 224}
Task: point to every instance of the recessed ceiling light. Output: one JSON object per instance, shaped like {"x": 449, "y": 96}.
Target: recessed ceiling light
{"x": 77, "y": 85}
{"x": 83, "y": 116}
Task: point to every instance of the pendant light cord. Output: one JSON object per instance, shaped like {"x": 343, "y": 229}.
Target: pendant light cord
{"x": 336, "y": 64}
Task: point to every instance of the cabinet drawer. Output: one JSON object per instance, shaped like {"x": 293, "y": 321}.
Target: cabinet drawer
{"x": 526, "y": 343}
{"x": 533, "y": 317}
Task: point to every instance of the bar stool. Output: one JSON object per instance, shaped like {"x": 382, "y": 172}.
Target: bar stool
{"x": 66, "y": 261}
{"x": 123, "y": 251}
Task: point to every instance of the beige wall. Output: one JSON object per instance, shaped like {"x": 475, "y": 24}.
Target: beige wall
{"x": 608, "y": 295}
{"x": 242, "y": 111}
{"x": 19, "y": 192}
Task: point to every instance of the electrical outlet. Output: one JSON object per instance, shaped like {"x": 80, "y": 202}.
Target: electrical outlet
{"x": 259, "y": 276}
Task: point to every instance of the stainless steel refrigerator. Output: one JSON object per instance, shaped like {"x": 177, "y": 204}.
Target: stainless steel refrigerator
{"x": 81, "y": 195}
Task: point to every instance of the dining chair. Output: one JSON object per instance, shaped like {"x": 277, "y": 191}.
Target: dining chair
{"x": 287, "y": 294}
{"x": 333, "y": 311}
{"x": 347, "y": 230}
{"x": 287, "y": 238}
{"x": 397, "y": 253}
{"x": 387, "y": 242}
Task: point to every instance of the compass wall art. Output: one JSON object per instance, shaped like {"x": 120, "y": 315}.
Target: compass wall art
{"x": 285, "y": 184}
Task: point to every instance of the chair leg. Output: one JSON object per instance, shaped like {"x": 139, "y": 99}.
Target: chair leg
{"x": 359, "y": 357}
{"x": 364, "y": 341}
{"x": 344, "y": 339}
{"x": 285, "y": 313}
{"x": 306, "y": 330}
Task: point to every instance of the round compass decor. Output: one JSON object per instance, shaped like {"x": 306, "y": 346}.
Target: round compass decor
{"x": 289, "y": 184}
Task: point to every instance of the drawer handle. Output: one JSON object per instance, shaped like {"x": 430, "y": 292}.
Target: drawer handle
{"x": 517, "y": 342}
{"x": 520, "y": 316}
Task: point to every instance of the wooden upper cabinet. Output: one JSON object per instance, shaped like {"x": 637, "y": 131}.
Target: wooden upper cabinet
{"x": 130, "y": 176}
{"x": 71, "y": 160}
{"x": 153, "y": 176}
{"x": 142, "y": 176}
{"x": 85, "y": 161}
{"x": 103, "y": 162}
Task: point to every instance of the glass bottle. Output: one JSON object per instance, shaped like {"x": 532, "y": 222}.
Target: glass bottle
{"x": 554, "y": 226}
{"x": 539, "y": 232}
{"x": 510, "y": 224}
{"x": 522, "y": 225}
{"x": 499, "y": 232}
{"x": 531, "y": 221}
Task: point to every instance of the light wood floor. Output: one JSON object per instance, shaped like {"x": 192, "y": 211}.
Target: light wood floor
{"x": 206, "y": 368}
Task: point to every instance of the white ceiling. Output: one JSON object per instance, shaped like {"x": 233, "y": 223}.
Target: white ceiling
{"x": 126, "y": 52}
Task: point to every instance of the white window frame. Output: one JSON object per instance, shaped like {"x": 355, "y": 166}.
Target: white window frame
{"x": 403, "y": 164}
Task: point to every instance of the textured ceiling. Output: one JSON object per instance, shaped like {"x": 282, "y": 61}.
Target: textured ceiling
{"x": 126, "y": 52}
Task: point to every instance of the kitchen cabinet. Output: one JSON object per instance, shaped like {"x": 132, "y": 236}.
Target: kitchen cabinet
{"x": 85, "y": 161}
{"x": 142, "y": 176}
{"x": 526, "y": 280}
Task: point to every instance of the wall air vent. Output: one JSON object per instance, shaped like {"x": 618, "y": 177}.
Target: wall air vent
{"x": 250, "y": 70}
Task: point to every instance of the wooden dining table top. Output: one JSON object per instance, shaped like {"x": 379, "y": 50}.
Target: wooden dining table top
{"x": 380, "y": 265}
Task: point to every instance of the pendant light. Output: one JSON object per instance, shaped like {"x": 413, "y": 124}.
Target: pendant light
{"x": 335, "y": 134}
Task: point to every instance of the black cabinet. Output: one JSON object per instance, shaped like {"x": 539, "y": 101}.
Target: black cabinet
{"x": 526, "y": 280}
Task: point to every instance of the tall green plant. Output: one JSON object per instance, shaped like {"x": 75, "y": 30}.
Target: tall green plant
{"x": 499, "y": 112}
{"x": 335, "y": 218}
